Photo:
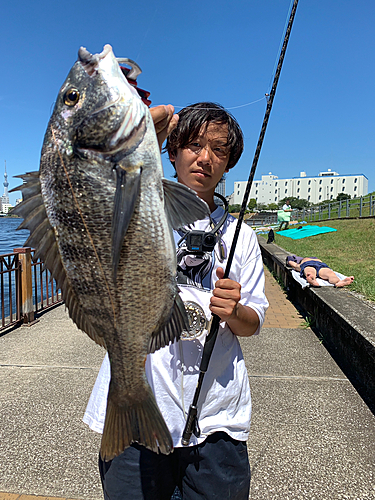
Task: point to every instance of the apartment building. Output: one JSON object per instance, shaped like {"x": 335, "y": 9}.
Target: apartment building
{"x": 326, "y": 186}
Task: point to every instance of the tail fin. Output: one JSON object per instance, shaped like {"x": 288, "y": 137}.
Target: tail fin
{"x": 140, "y": 423}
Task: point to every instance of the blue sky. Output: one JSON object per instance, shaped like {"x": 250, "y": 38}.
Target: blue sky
{"x": 222, "y": 51}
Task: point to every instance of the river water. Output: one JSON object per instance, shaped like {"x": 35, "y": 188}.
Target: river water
{"x": 9, "y": 237}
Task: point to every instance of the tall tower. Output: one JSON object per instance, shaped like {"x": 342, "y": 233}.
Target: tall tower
{"x": 4, "y": 200}
{"x": 5, "y": 197}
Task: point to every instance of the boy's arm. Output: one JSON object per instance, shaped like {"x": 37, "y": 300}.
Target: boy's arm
{"x": 242, "y": 320}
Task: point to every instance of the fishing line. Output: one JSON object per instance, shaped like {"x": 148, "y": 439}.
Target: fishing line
{"x": 233, "y": 107}
{"x": 150, "y": 20}
{"x": 273, "y": 71}
{"x": 281, "y": 45}
{"x": 84, "y": 223}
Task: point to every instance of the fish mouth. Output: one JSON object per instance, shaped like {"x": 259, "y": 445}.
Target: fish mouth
{"x": 124, "y": 103}
{"x": 90, "y": 61}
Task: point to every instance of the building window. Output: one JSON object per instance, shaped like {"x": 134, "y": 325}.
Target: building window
{"x": 331, "y": 189}
{"x": 355, "y": 188}
{"x": 343, "y": 181}
{"x": 238, "y": 192}
{"x": 309, "y": 183}
{"x": 286, "y": 191}
{"x": 275, "y": 183}
{"x": 286, "y": 183}
{"x": 355, "y": 180}
{"x": 309, "y": 190}
{"x": 320, "y": 197}
{"x": 320, "y": 190}
{"x": 275, "y": 191}
{"x": 256, "y": 192}
{"x": 320, "y": 181}
{"x": 298, "y": 183}
{"x": 308, "y": 198}
{"x": 331, "y": 181}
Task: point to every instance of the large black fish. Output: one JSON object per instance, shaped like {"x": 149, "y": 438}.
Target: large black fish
{"x": 101, "y": 216}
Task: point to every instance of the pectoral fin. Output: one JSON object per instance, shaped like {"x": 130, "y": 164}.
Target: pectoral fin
{"x": 182, "y": 204}
{"x": 127, "y": 190}
{"x": 178, "y": 321}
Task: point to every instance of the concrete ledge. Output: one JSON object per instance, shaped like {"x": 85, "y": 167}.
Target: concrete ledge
{"x": 344, "y": 323}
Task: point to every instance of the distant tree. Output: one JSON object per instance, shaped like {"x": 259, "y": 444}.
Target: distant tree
{"x": 234, "y": 208}
{"x": 343, "y": 196}
{"x": 261, "y": 206}
{"x": 295, "y": 202}
{"x": 252, "y": 204}
{"x": 272, "y": 206}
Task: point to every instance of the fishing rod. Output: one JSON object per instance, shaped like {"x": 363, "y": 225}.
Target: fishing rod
{"x": 192, "y": 421}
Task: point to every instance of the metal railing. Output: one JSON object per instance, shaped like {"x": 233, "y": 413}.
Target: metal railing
{"x": 353, "y": 208}
{"x": 262, "y": 219}
{"x": 25, "y": 288}
{"x": 363, "y": 206}
{"x": 259, "y": 221}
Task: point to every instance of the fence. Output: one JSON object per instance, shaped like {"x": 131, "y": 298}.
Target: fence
{"x": 262, "y": 219}
{"x": 25, "y": 288}
{"x": 357, "y": 207}
{"x": 363, "y": 206}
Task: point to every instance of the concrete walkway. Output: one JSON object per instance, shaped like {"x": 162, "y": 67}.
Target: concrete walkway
{"x": 312, "y": 436}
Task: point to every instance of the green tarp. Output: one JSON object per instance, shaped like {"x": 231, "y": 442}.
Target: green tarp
{"x": 305, "y": 231}
{"x": 283, "y": 216}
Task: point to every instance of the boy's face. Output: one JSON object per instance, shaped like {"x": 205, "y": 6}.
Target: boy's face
{"x": 202, "y": 163}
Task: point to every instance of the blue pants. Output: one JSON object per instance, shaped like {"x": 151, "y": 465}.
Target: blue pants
{"x": 215, "y": 469}
{"x": 312, "y": 263}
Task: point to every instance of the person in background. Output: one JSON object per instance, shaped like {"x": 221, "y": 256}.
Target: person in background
{"x": 206, "y": 143}
{"x": 283, "y": 216}
{"x": 312, "y": 268}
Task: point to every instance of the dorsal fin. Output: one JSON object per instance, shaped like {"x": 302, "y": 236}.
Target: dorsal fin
{"x": 42, "y": 238}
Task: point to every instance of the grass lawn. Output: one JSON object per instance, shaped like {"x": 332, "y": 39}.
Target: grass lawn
{"x": 350, "y": 250}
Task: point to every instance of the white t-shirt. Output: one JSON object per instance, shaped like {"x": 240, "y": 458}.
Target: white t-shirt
{"x": 287, "y": 207}
{"x": 172, "y": 372}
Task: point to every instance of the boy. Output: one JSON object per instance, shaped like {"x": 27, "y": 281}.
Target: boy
{"x": 205, "y": 144}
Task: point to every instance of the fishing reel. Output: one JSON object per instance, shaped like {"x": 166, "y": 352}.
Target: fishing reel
{"x": 131, "y": 74}
{"x": 205, "y": 241}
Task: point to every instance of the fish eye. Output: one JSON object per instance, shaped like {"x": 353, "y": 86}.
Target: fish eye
{"x": 71, "y": 97}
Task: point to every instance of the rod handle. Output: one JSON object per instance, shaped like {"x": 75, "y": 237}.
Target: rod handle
{"x": 190, "y": 422}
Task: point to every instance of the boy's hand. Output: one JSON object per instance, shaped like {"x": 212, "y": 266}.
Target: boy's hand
{"x": 226, "y": 295}
{"x": 164, "y": 120}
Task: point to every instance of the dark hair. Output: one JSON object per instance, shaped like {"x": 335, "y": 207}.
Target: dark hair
{"x": 190, "y": 123}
